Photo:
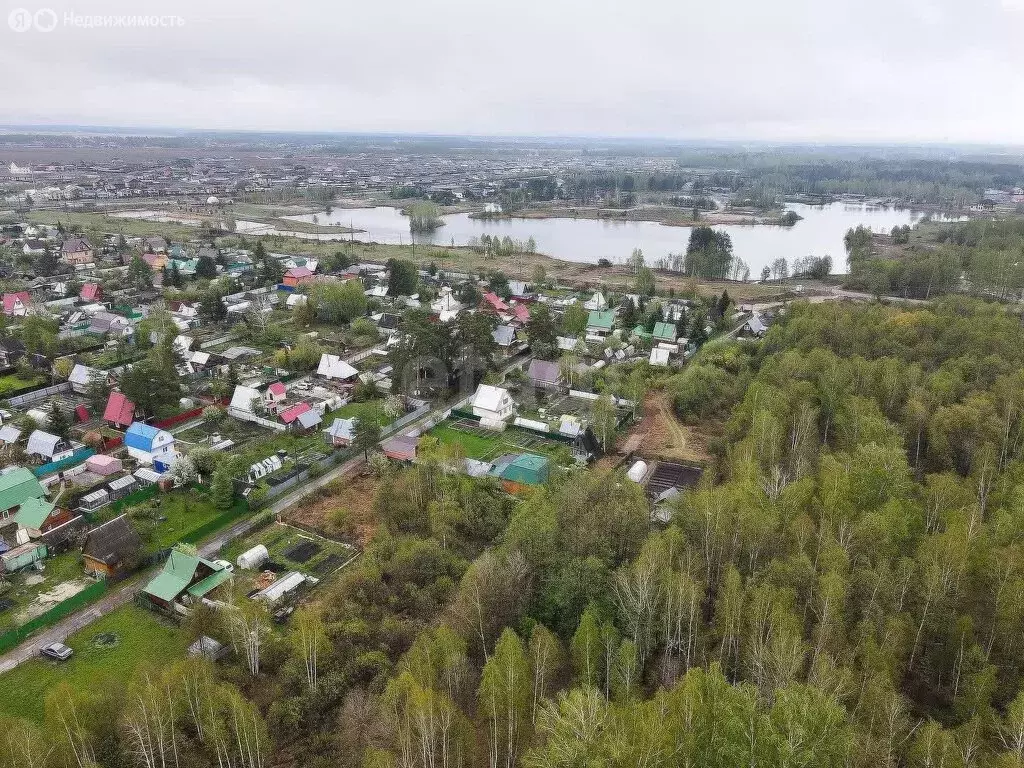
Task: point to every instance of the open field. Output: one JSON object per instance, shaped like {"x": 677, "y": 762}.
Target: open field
{"x": 106, "y": 655}
{"x": 660, "y": 435}
{"x": 344, "y": 506}
{"x": 467, "y": 260}
{"x": 102, "y": 223}
{"x": 169, "y": 518}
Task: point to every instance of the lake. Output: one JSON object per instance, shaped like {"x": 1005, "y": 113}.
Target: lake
{"x": 819, "y": 233}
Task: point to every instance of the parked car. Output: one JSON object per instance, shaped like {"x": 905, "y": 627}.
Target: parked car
{"x": 56, "y": 651}
{"x": 226, "y": 565}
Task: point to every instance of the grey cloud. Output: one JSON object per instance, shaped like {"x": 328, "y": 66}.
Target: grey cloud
{"x": 795, "y": 69}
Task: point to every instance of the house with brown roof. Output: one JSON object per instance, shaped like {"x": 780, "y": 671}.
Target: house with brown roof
{"x": 112, "y": 549}
{"x": 77, "y": 250}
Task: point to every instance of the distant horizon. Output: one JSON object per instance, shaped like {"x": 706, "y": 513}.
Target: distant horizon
{"x": 158, "y": 131}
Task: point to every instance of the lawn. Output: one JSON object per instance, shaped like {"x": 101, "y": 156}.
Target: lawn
{"x": 491, "y": 446}
{"x": 168, "y": 518}
{"x": 21, "y": 592}
{"x": 350, "y": 410}
{"x": 138, "y": 636}
{"x": 12, "y": 382}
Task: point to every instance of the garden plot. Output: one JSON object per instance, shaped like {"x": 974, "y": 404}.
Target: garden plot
{"x": 291, "y": 549}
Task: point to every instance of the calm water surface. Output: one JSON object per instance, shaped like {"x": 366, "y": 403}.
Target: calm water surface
{"x": 819, "y": 233}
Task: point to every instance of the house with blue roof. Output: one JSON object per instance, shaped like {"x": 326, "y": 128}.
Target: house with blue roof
{"x": 150, "y": 445}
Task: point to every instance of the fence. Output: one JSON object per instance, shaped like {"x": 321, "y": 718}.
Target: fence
{"x": 172, "y": 421}
{"x": 56, "y": 466}
{"x": 35, "y": 395}
{"x": 249, "y": 416}
{"x": 16, "y": 636}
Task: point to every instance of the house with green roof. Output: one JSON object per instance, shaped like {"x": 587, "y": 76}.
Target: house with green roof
{"x": 664, "y": 332}
{"x": 517, "y": 471}
{"x": 600, "y": 323}
{"x": 34, "y": 515}
{"x": 17, "y": 487}
{"x": 184, "y": 578}
{"x": 641, "y": 332}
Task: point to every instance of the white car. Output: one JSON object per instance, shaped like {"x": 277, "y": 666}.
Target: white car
{"x": 56, "y": 651}
{"x": 226, "y": 565}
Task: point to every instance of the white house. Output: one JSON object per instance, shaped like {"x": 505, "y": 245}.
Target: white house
{"x": 660, "y": 356}
{"x": 492, "y": 403}
{"x": 150, "y": 445}
{"x": 80, "y": 377}
{"x": 244, "y": 399}
{"x": 333, "y": 367}
{"x": 48, "y": 447}
{"x": 596, "y": 302}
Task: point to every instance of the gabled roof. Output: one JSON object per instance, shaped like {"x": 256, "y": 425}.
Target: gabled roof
{"x": 664, "y": 332}
{"x": 299, "y": 272}
{"x": 604, "y": 320}
{"x": 545, "y": 371}
{"x": 309, "y": 419}
{"x": 277, "y": 389}
{"x": 489, "y": 397}
{"x": 495, "y": 301}
{"x": 33, "y": 513}
{"x": 141, "y": 436}
{"x": 18, "y": 486}
{"x": 82, "y": 374}
{"x": 11, "y": 300}
{"x": 91, "y": 291}
{"x": 9, "y": 434}
{"x": 243, "y": 398}
{"x": 288, "y": 415}
{"x": 343, "y": 429}
{"x": 504, "y": 335}
{"x": 120, "y": 410}
{"x": 43, "y": 443}
{"x": 113, "y": 541}
{"x": 76, "y": 245}
{"x": 333, "y": 367}
{"x": 521, "y": 313}
{"x": 178, "y": 573}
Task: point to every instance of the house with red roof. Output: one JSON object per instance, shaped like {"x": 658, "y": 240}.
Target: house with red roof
{"x": 297, "y": 275}
{"x": 290, "y": 414}
{"x": 521, "y": 313}
{"x": 493, "y": 301}
{"x": 91, "y": 292}
{"x": 120, "y": 411}
{"x": 17, "y": 304}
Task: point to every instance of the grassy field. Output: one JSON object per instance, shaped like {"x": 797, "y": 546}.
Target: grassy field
{"x": 21, "y": 593}
{"x": 100, "y": 222}
{"x": 12, "y": 382}
{"x": 141, "y": 636}
{"x": 167, "y": 518}
{"x": 490, "y": 446}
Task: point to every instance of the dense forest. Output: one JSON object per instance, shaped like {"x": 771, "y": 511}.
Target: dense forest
{"x": 845, "y": 589}
{"x": 981, "y": 257}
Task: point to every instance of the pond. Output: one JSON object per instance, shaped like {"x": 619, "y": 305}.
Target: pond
{"x": 819, "y": 233}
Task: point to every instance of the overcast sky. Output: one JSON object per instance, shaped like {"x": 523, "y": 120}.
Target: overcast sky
{"x": 862, "y": 70}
